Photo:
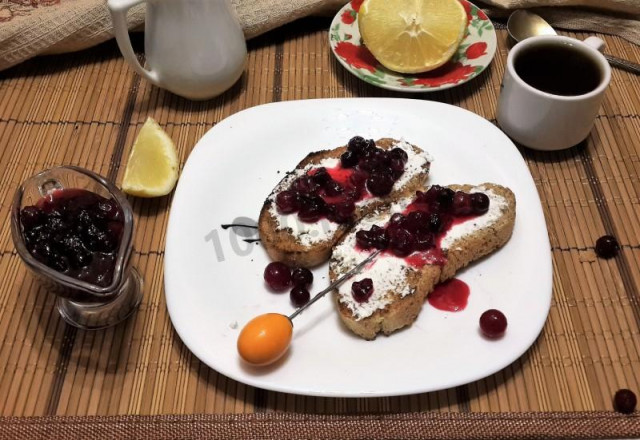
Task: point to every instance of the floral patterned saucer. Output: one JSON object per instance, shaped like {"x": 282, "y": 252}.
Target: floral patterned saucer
{"x": 473, "y": 56}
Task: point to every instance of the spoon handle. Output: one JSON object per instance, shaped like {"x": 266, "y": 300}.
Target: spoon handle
{"x": 627, "y": 65}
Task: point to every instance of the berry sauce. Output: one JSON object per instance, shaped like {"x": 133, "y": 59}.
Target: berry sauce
{"x": 364, "y": 171}
{"x": 75, "y": 232}
{"x": 450, "y": 296}
{"x": 416, "y": 234}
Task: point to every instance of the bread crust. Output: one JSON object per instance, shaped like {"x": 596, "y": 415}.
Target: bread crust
{"x": 282, "y": 244}
{"x": 403, "y": 311}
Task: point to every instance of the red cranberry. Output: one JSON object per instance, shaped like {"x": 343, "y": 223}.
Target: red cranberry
{"x": 333, "y": 188}
{"x": 376, "y": 237}
{"x": 310, "y": 214}
{"x": 357, "y": 144}
{"x": 382, "y": 156}
{"x": 437, "y": 198}
{"x": 302, "y": 277}
{"x": 493, "y": 323}
{"x": 362, "y": 290}
{"x": 84, "y": 219}
{"x": 341, "y": 212}
{"x": 624, "y": 401}
{"x": 312, "y": 209}
{"x": 97, "y": 240}
{"x": 401, "y": 242}
{"x": 380, "y": 184}
{"x": 358, "y": 179}
{"x": 397, "y": 168}
{"x": 349, "y": 159}
{"x": 417, "y": 220}
{"x": 58, "y": 262}
{"x": 278, "y": 276}
{"x": 55, "y": 223}
{"x": 38, "y": 234}
{"x": 461, "y": 204}
{"x": 399, "y": 153}
{"x": 420, "y": 197}
{"x": 70, "y": 245}
{"x": 423, "y": 240}
{"x": 305, "y": 185}
{"x": 42, "y": 251}
{"x": 31, "y": 216}
{"x": 287, "y": 202}
{"x": 397, "y": 219}
{"x": 368, "y": 149}
{"x": 607, "y": 246}
{"x": 368, "y": 153}
{"x": 368, "y": 164}
{"x": 381, "y": 162}
{"x": 445, "y": 198}
{"x": 434, "y": 223}
{"x": 380, "y": 237}
{"x": 320, "y": 176}
{"x": 479, "y": 203}
{"x": 299, "y": 296}
{"x": 364, "y": 240}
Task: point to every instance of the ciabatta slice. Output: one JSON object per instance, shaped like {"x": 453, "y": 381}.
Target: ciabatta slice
{"x": 400, "y": 289}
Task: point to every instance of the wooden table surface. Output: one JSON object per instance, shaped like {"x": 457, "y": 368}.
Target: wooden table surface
{"x": 86, "y": 109}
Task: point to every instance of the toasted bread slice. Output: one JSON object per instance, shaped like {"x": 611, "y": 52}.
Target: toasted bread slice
{"x": 288, "y": 239}
{"x": 400, "y": 289}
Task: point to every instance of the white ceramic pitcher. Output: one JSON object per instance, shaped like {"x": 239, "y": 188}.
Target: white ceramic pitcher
{"x": 194, "y": 48}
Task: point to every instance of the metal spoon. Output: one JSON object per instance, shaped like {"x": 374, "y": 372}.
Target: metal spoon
{"x": 523, "y": 24}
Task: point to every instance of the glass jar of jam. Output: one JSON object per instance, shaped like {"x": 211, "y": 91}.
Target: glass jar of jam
{"x": 74, "y": 230}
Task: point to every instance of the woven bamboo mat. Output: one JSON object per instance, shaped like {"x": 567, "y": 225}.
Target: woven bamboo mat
{"x": 86, "y": 109}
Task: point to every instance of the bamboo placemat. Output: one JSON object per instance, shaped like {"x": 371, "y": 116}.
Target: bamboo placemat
{"x": 86, "y": 109}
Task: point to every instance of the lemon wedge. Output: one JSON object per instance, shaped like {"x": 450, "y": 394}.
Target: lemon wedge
{"x": 152, "y": 169}
{"x": 412, "y": 36}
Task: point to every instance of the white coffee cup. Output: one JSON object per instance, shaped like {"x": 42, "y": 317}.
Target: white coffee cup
{"x": 194, "y": 48}
{"x": 546, "y": 121}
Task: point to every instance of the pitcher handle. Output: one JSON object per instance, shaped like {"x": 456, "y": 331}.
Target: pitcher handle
{"x": 119, "y": 9}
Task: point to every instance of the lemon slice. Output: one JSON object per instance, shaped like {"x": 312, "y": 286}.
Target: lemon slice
{"x": 152, "y": 169}
{"x": 412, "y": 36}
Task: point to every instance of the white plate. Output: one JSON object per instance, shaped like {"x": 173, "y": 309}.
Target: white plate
{"x": 213, "y": 279}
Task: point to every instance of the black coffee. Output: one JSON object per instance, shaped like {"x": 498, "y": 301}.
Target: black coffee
{"x": 559, "y": 69}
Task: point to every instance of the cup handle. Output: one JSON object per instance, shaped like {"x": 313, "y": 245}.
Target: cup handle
{"x": 595, "y": 43}
{"x": 118, "y": 10}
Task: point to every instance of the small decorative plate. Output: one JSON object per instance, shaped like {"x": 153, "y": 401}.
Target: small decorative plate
{"x": 473, "y": 56}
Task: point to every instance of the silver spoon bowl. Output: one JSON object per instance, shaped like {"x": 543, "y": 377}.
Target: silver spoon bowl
{"x": 523, "y": 24}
